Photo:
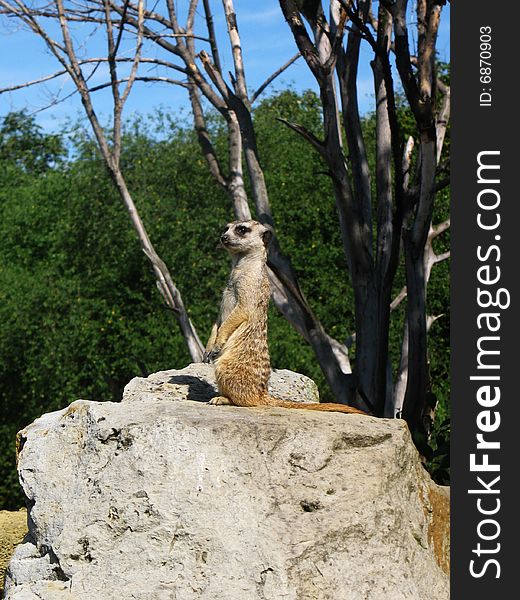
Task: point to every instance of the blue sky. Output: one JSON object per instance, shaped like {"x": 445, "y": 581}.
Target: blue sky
{"x": 267, "y": 44}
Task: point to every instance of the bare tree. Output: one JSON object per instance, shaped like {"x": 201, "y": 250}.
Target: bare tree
{"x": 403, "y": 200}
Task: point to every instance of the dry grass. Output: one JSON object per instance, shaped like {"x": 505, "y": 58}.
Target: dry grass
{"x": 13, "y": 527}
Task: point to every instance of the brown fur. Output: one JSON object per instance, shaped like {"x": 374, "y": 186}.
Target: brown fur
{"x": 238, "y": 342}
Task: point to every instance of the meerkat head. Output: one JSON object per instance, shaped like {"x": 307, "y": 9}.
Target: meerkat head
{"x": 245, "y": 237}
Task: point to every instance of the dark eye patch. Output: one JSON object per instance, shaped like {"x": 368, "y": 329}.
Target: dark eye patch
{"x": 242, "y": 229}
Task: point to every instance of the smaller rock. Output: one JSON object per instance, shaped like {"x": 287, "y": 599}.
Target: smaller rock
{"x": 197, "y": 382}
{"x": 28, "y": 565}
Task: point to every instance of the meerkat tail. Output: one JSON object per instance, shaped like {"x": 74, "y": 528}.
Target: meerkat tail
{"x": 325, "y": 406}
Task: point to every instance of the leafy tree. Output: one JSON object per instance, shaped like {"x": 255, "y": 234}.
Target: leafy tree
{"x": 23, "y": 144}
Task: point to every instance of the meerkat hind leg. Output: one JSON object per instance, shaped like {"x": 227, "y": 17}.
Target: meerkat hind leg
{"x": 220, "y": 401}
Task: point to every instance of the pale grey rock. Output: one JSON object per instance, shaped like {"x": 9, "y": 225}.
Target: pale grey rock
{"x": 31, "y": 574}
{"x": 29, "y": 564}
{"x": 197, "y": 382}
{"x": 156, "y": 500}
{"x": 42, "y": 590}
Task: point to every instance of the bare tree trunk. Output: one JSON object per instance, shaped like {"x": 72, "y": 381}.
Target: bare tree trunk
{"x": 417, "y": 382}
{"x": 371, "y": 276}
{"x": 420, "y": 91}
{"x": 414, "y": 246}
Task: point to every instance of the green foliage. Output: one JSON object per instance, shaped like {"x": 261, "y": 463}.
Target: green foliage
{"x": 22, "y": 144}
{"x": 79, "y": 307}
{"x": 439, "y": 464}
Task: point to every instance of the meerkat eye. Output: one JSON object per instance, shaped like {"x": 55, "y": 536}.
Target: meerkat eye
{"x": 242, "y": 229}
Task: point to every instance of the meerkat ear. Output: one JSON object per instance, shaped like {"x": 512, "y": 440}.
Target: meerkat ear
{"x": 267, "y": 235}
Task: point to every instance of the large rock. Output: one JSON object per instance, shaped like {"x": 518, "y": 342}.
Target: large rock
{"x": 156, "y": 499}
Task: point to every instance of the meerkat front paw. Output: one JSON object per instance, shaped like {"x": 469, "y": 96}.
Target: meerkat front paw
{"x": 220, "y": 401}
{"x": 211, "y": 355}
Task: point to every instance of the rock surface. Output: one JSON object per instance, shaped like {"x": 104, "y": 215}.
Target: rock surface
{"x": 153, "y": 499}
{"x": 197, "y": 382}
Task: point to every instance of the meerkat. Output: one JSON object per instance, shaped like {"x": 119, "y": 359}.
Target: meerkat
{"x": 238, "y": 342}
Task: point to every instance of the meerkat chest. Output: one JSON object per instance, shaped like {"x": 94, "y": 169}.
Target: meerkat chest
{"x": 229, "y": 301}
{"x": 247, "y": 287}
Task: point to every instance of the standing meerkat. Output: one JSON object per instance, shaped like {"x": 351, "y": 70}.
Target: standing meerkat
{"x": 238, "y": 341}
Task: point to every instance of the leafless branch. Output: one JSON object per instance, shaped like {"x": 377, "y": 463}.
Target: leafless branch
{"x": 407, "y": 161}
{"x": 191, "y": 15}
{"x": 306, "y": 47}
{"x": 95, "y": 61}
{"x": 337, "y": 41}
{"x": 444, "y": 256}
{"x": 398, "y": 299}
{"x": 215, "y": 76}
{"x": 443, "y": 118}
{"x": 212, "y": 36}
{"x": 204, "y": 140}
{"x": 272, "y": 77}
{"x": 306, "y": 135}
{"x": 236, "y": 49}
{"x": 143, "y": 78}
{"x": 137, "y": 55}
{"x": 27, "y": 84}
{"x": 440, "y": 228}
